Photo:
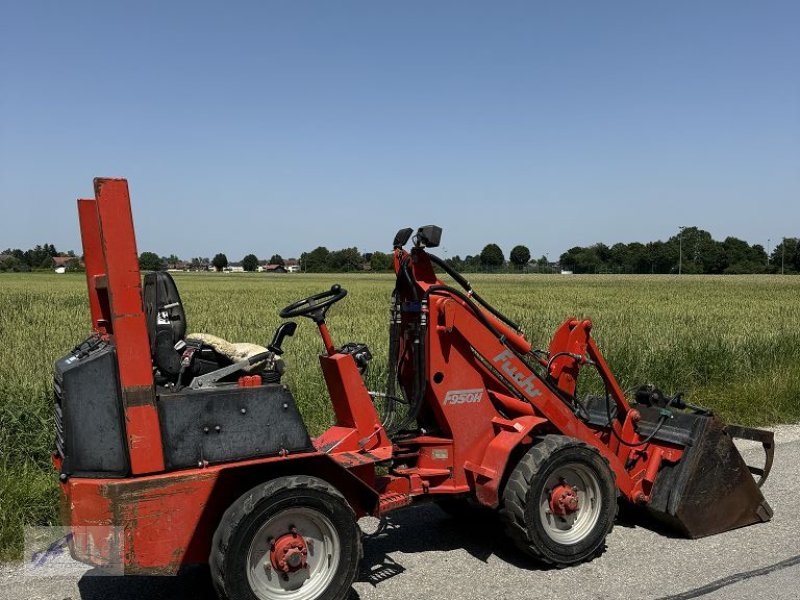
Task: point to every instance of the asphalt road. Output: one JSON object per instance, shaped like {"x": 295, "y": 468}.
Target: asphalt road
{"x": 424, "y": 554}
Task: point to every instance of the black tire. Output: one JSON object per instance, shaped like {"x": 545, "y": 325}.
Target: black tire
{"x": 523, "y": 493}
{"x": 244, "y": 519}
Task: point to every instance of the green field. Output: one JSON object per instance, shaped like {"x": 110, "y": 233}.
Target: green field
{"x": 731, "y": 342}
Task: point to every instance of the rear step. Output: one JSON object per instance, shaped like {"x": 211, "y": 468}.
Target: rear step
{"x": 391, "y": 500}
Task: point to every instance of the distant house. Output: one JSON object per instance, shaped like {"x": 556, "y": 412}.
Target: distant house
{"x": 234, "y": 267}
{"x": 292, "y": 265}
{"x": 180, "y": 265}
{"x": 274, "y": 268}
{"x": 61, "y": 263}
{"x": 176, "y": 267}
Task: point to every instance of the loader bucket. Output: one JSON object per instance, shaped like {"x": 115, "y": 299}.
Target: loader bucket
{"x": 711, "y": 489}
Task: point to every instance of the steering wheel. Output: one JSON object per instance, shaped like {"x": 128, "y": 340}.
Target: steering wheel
{"x": 314, "y": 307}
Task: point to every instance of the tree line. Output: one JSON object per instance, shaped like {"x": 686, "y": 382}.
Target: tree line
{"x": 691, "y": 250}
{"x": 492, "y": 260}
{"x": 150, "y": 261}
{"x": 38, "y": 258}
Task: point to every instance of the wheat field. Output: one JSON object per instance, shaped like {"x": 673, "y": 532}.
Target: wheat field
{"x": 731, "y": 342}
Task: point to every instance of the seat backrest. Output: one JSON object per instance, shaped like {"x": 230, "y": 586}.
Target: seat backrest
{"x": 166, "y": 320}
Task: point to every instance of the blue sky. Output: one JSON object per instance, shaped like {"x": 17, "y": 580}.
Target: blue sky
{"x": 279, "y": 126}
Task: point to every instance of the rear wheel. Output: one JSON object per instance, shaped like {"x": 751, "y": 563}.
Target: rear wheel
{"x": 560, "y": 501}
{"x": 292, "y": 538}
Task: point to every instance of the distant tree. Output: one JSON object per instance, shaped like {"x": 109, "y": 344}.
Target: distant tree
{"x": 47, "y": 263}
{"x": 12, "y": 264}
{"x": 740, "y": 257}
{"x": 472, "y": 263}
{"x": 220, "y": 261}
{"x": 542, "y": 262}
{"x": 786, "y": 253}
{"x": 344, "y": 260}
{"x": 199, "y": 264}
{"x": 700, "y": 253}
{"x": 16, "y": 253}
{"x": 455, "y": 262}
{"x": 636, "y": 258}
{"x": 492, "y": 257}
{"x": 150, "y": 261}
{"x": 520, "y": 255}
{"x": 74, "y": 266}
{"x": 662, "y": 257}
{"x": 277, "y": 259}
{"x": 250, "y": 262}
{"x": 580, "y": 260}
{"x": 37, "y": 256}
{"x": 380, "y": 261}
{"x": 316, "y": 261}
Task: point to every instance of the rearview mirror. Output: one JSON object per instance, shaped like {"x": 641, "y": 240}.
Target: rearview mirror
{"x": 401, "y": 237}
{"x": 429, "y": 236}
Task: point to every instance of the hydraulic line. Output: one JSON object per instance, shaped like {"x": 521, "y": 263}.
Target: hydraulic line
{"x": 442, "y": 289}
{"x": 394, "y": 350}
{"x": 661, "y": 420}
{"x": 557, "y": 355}
{"x": 472, "y": 293}
{"x": 418, "y": 343}
{"x": 480, "y": 316}
{"x": 412, "y": 288}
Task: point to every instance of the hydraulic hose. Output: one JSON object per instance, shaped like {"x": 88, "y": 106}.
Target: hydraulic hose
{"x": 472, "y": 293}
{"x": 394, "y": 350}
{"x": 412, "y": 288}
{"x": 446, "y": 289}
{"x": 420, "y": 384}
{"x": 661, "y": 420}
{"x": 435, "y": 289}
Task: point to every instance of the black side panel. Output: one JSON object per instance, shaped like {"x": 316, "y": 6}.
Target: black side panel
{"x": 231, "y": 423}
{"x": 90, "y": 432}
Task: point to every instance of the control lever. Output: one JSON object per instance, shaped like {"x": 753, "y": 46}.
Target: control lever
{"x": 285, "y": 330}
{"x": 214, "y": 376}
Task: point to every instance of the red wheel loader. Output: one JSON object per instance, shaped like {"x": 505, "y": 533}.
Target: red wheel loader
{"x": 172, "y": 450}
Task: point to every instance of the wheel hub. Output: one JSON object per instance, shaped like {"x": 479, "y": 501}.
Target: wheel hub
{"x": 563, "y": 500}
{"x": 288, "y": 553}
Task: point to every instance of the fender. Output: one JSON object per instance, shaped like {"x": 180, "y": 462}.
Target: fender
{"x": 490, "y": 474}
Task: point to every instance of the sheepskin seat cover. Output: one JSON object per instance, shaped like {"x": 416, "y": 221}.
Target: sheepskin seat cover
{"x": 233, "y": 351}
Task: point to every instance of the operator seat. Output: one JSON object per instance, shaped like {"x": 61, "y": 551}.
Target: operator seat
{"x": 166, "y": 328}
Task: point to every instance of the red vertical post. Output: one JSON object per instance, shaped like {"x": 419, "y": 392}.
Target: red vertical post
{"x": 124, "y": 288}
{"x": 95, "y": 265}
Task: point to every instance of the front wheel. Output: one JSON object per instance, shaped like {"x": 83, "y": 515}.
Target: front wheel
{"x": 292, "y": 538}
{"x": 560, "y": 501}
